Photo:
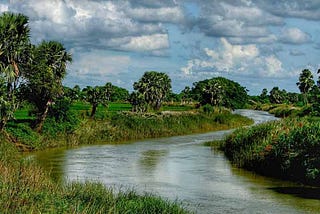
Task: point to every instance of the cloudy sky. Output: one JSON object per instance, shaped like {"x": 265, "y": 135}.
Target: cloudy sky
{"x": 258, "y": 43}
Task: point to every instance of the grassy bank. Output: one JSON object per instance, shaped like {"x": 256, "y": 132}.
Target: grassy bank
{"x": 288, "y": 149}
{"x": 26, "y": 188}
{"x": 123, "y": 126}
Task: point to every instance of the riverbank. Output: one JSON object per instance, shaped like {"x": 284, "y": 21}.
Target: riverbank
{"x": 26, "y": 187}
{"x": 122, "y": 127}
{"x": 288, "y": 149}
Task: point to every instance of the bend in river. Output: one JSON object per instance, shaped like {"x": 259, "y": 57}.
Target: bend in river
{"x": 181, "y": 168}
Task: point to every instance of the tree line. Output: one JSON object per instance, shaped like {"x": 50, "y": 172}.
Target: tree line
{"x": 33, "y": 74}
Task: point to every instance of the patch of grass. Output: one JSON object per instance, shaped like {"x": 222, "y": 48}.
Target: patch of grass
{"x": 131, "y": 126}
{"x": 288, "y": 149}
{"x": 26, "y": 188}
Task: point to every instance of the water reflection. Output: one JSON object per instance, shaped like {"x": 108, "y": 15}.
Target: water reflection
{"x": 179, "y": 167}
{"x": 150, "y": 159}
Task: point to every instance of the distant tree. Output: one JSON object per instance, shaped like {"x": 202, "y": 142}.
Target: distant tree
{"x": 293, "y": 97}
{"x": 186, "y": 96}
{"x": 138, "y": 102}
{"x": 213, "y": 93}
{"x": 73, "y": 94}
{"x": 119, "y": 94}
{"x": 264, "y": 98}
{"x": 97, "y": 95}
{"x": 44, "y": 78}
{"x": 153, "y": 87}
{"x": 14, "y": 54}
{"x": 305, "y": 83}
{"x": 277, "y": 96}
{"x": 220, "y": 91}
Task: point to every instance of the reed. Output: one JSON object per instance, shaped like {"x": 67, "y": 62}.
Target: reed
{"x": 289, "y": 149}
{"x": 26, "y": 188}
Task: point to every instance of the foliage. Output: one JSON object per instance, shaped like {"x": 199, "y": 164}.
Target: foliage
{"x": 305, "y": 83}
{"x": 126, "y": 126}
{"x": 119, "y": 94}
{"x": 27, "y": 188}
{"x": 44, "y": 78}
{"x": 151, "y": 89}
{"x": 289, "y": 148}
{"x": 97, "y": 95}
{"x": 221, "y": 92}
{"x": 14, "y": 53}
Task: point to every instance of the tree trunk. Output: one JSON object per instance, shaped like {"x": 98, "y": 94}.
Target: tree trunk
{"x": 3, "y": 123}
{"x": 94, "y": 109}
{"x": 42, "y": 118}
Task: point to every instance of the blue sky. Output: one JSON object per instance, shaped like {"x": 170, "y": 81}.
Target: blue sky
{"x": 258, "y": 43}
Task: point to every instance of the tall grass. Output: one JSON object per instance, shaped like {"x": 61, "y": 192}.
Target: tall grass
{"x": 288, "y": 149}
{"x": 131, "y": 126}
{"x": 26, "y": 188}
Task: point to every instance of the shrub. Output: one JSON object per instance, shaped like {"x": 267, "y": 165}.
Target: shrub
{"x": 288, "y": 149}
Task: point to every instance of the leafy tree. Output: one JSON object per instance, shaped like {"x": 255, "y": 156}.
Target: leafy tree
{"x": 14, "y": 49}
{"x": 186, "y": 96}
{"x": 73, "y": 93}
{"x": 153, "y": 87}
{"x": 97, "y": 95}
{"x": 119, "y": 94}
{"x": 264, "y": 98}
{"x": 277, "y": 96}
{"x": 220, "y": 91}
{"x": 305, "y": 83}
{"x": 138, "y": 102}
{"x": 213, "y": 93}
{"x": 44, "y": 78}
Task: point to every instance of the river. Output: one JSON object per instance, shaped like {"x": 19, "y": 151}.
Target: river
{"x": 182, "y": 168}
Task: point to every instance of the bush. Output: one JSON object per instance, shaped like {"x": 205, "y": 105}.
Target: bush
{"x": 288, "y": 149}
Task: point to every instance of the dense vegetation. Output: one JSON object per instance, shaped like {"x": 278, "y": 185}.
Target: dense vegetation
{"x": 287, "y": 149}
{"x": 290, "y": 148}
{"x": 37, "y": 112}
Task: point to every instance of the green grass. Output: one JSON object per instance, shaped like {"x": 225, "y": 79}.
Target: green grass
{"x": 26, "y": 188}
{"x": 129, "y": 126}
{"x": 288, "y": 149}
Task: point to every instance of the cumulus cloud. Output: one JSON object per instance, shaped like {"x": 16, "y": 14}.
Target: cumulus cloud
{"x": 294, "y": 36}
{"x": 292, "y": 8}
{"x": 236, "y": 19}
{"x": 96, "y": 67}
{"x": 147, "y": 43}
{"x": 236, "y": 59}
{"x": 100, "y": 24}
{"x": 165, "y": 14}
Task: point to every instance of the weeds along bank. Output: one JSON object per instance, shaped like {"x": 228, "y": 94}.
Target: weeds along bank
{"x": 287, "y": 149}
{"x": 124, "y": 126}
{"x": 26, "y": 188}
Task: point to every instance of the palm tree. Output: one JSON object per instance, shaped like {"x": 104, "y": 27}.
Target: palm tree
{"x": 14, "y": 46}
{"x": 214, "y": 91}
{"x": 44, "y": 78}
{"x": 305, "y": 83}
{"x": 154, "y": 87}
{"x": 98, "y": 95}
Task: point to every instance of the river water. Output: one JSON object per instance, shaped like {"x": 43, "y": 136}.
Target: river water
{"x": 182, "y": 168}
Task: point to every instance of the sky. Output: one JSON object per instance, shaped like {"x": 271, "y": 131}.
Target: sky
{"x": 257, "y": 43}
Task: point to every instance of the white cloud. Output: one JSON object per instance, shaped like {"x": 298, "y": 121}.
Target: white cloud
{"x": 3, "y": 8}
{"x": 164, "y": 14}
{"x": 236, "y": 59}
{"x": 147, "y": 43}
{"x": 294, "y": 36}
